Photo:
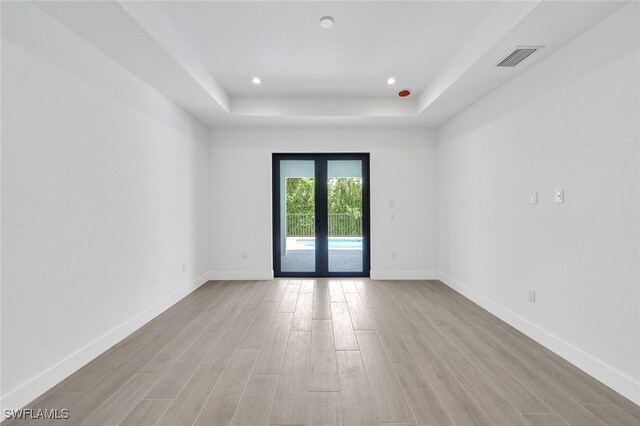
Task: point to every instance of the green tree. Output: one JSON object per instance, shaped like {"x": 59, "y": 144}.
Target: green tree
{"x": 345, "y": 207}
{"x": 300, "y": 195}
{"x": 344, "y": 203}
{"x": 345, "y": 195}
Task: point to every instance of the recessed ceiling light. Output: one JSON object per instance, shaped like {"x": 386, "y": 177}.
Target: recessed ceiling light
{"x": 326, "y": 22}
{"x": 256, "y": 80}
{"x": 391, "y": 81}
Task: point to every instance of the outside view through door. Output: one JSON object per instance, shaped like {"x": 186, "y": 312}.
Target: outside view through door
{"x": 297, "y": 217}
{"x": 344, "y": 205}
{"x": 341, "y": 195}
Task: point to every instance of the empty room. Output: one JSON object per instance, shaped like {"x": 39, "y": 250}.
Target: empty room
{"x": 320, "y": 213}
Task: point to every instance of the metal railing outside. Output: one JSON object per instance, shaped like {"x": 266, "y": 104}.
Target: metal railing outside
{"x": 340, "y": 225}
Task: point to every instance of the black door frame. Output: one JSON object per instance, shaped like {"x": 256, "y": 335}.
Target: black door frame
{"x": 322, "y": 253}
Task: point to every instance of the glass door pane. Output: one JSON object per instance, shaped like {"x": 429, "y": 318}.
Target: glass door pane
{"x": 297, "y": 216}
{"x": 345, "y": 214}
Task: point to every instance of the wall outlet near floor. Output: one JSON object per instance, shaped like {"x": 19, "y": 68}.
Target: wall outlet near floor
{"x": 531, "y": 295}
{"x": 533, "y": 197}
{"x": 393, "y": 254}
{"x": 559, "y": 195}
{"x": 245, "y": 255}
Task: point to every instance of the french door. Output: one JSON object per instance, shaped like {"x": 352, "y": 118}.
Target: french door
{"x": 321, "y": 215}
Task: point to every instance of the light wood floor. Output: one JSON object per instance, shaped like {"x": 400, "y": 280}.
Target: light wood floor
{"x": 322, "y": 352}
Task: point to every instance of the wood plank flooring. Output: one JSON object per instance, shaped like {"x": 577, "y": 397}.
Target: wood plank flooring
{"x": 330, "y": 352}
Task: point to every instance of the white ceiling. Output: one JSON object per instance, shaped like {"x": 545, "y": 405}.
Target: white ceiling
{"x": 283, "y": 44}
{"x": 203, "y": 54}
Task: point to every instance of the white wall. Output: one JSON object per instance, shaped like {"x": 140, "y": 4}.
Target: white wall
{"x": 403, "y": 169}
{"x": 104, "y": 197}
{"x": 572, "y": 122}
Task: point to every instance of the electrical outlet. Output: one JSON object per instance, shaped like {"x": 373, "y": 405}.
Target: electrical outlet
{"x": 531, "y": 296}
{"x": 559, "y": 195}
{"x": 533, "y": 197}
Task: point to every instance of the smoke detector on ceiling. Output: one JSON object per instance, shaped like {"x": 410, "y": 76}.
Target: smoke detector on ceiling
{"x": 518, "y": 55}
{"x": 326, "y": 22}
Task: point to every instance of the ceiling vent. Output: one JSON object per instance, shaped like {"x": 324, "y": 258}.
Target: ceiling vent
{"x": 517, "y": 56}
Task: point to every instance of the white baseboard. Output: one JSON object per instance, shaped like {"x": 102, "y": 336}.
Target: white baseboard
{"x": 241, "y": 275}
{"x": 404, "y": 275}
{"x": 616, "y": 380}
{"x": 27, "y": 392}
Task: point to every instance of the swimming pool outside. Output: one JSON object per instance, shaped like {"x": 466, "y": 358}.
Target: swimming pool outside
{"x": 335, "y": 243}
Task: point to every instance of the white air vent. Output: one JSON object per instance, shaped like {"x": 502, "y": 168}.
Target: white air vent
{"x": 517, "y": 56}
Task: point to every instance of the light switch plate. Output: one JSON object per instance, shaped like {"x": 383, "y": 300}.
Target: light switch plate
{"x": 533, "y": 197}
{"x": 531, "y": 295}
{"x": 559, "y": 195}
